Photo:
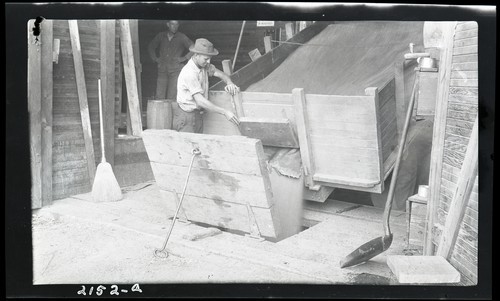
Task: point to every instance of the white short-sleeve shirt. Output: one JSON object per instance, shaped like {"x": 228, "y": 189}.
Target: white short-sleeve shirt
{"x": 192, "y": 80}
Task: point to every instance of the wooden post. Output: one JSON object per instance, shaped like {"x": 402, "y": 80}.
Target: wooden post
{"x": 108, "y": 87}
{"x": 438, "y": 136}
{"x": 238, "y": 105}
{"x": 302, "y": 122}
{"x": 47, "y": 97}
{"x": 289, "y": 30}
{"x": 399, "y": 76}
{"x": 130, "y": 78}
{"x": 82, "y": 97}
{"x": 267, "y": 43}
{"x": 461, "y": 197}
{"x": 34, "y": 108}
{"x": 373, "y": 91}
{"x": 134, "y": 32}
{"x": 226, "y": 67}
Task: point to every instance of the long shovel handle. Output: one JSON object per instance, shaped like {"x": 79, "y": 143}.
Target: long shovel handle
{"x": 390, "y": 196}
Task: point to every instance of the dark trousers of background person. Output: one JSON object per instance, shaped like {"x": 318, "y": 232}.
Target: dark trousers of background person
{"x": 166, "y": 85}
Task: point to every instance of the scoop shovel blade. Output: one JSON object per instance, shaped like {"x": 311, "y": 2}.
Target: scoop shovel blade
{"x": 367, "y": 251}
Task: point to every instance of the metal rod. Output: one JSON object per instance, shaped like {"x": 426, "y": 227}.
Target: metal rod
{"x": 196, "y": 152}
{"x": 238, "y": 46}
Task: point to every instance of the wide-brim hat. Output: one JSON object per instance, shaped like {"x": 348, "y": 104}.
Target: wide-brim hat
{"x": 203, "y": 46}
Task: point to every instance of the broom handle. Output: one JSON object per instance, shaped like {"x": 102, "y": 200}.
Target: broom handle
{"x": 103, "y": 158}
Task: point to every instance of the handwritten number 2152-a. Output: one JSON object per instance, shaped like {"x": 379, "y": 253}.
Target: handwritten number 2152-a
{"x": 114, "y": 290}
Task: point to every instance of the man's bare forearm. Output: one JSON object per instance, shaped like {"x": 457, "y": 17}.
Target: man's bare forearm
{"x": 207, "y": 105}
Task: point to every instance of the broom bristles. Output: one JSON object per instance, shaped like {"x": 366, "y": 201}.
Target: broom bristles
{"x": 105, "y": 187}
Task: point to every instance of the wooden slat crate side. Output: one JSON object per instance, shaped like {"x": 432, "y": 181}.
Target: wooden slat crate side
{"x": 343, "y": 123}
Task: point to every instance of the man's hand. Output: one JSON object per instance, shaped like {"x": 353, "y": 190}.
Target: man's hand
{"x": 231, "y": 117}
{"x": 232, "y": 88}
{"x": 180, "y": 59}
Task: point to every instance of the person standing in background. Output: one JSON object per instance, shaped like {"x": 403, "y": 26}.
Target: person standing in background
{"x": 173, "y": 48}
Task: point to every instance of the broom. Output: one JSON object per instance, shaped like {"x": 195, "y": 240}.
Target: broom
{"x": 105, "y": 187}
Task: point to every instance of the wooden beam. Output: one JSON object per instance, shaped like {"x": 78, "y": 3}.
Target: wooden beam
{"x": 238, "y": 105}
{"x": 289, "y": 30}
{"x": 82, "y": 97}
{"x": 226, "y": 67}
{"x": 438, "y": 135}
{"x": 34, "y": 108}
{"x": 373, "y": 91}
{"x": 130, "y": 78}
{"x": 399, "y": 75}
{"x": 108, "y": 86}
{"x": 271, "y": 131}
{"x": 134, "y": 32}
{"x": 267, "y": 43}
{"x": 47, "y": 97}
{"x": 302, "y": 122}
{"x": 461, "y": 196}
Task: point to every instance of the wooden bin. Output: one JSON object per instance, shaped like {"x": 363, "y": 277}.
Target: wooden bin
{"x": 159, "y": 114}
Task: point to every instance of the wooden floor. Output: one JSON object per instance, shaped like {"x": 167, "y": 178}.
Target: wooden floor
{"x": 76, "y": 240}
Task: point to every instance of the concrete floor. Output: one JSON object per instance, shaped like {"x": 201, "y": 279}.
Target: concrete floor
{"x": 78, "y": 241}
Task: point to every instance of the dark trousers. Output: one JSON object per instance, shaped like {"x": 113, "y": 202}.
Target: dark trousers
{"x": 166, "y": 85}
{"x": 183, "y": 121}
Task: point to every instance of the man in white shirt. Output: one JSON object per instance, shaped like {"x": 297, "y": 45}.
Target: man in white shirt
{"x": 192, "y": 89}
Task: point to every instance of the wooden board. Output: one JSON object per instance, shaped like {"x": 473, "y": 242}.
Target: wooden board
{"x": 229, "y": 185}
{"x": 34, "y": 108}
{"x": 320, "y": 195}
{"x": 47, "y": 105}
{"x": 272, "y": 132}
{"x": 438, "y": 135}
{"x": 130, "y": 78}
{"x": 82, "y": 97}
{"x": 422, "y": 269}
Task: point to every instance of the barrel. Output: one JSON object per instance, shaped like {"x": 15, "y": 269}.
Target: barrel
{"x": 159, "y": 114}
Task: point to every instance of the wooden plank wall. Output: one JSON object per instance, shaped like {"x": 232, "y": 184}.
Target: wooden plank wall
{"x": 462, "y": 110}
{"x": 340, "y": 125}
{"x": 70, "y": 171}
